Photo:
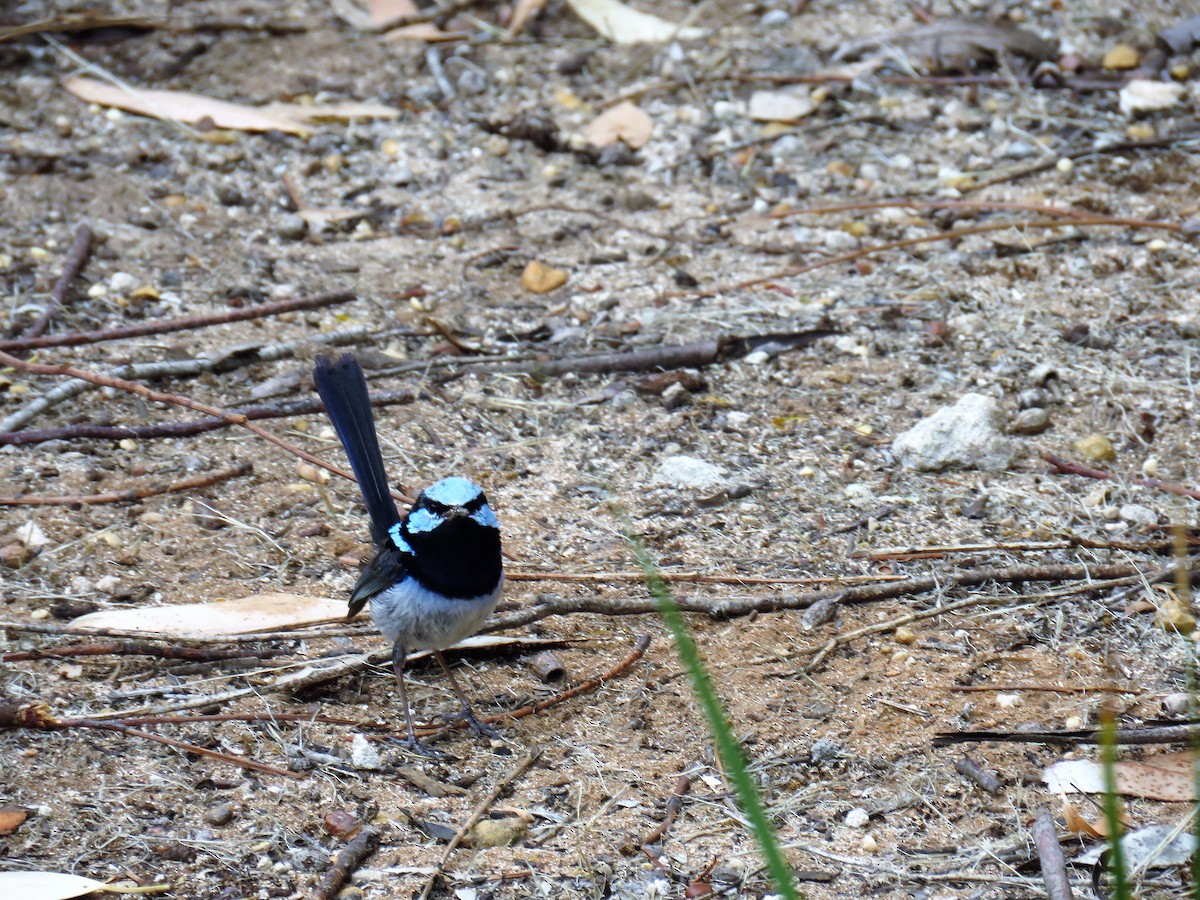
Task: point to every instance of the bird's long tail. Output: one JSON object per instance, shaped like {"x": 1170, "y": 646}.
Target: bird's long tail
{"x": 343, "y": 389}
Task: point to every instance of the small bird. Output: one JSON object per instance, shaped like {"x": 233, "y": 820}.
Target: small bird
{"x": 438, "y": 571}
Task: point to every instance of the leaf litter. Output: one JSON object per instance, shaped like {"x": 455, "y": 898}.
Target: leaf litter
{"x": 657, "y": 241}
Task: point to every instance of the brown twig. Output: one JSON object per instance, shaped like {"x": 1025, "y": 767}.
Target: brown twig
{"x": 692, "y": 578}
{"x": 351, "y": 857}
{"x": 1050, "y": 855}
{"x": 38, "y": 715}
{"x": 131, "y": 494}
{"x": 137, "y": 648}
{"x": 280, "y": 410}
{"x": 971, "y": 770}
{"x": 1185, "y": 732}
{"x": 31, "y": 341}
{"x": 76, "y": 259}
{"x": 477, "y": 813}
{"x": 638, "y": 651}
{"x": 1048, "y": 688}
{"x": 177, "y": 400}
{"x": 1066, "y": 467}
{"x": 683, "y": 784}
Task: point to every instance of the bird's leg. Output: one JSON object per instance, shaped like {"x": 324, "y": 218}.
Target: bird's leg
{"x": 468, "y": 714}
{"x": 399, "y": 654}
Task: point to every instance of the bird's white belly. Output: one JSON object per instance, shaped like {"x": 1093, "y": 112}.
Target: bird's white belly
{"x": 419, "y": 619}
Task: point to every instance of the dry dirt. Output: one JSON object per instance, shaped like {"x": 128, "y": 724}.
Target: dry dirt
{"x": 804, "y": 438}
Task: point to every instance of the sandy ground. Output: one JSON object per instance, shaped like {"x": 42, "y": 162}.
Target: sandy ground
{"x": 447, "y": 204}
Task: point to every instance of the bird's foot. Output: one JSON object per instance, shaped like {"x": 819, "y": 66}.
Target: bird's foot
{"x": 481, "y": 729}
{"x": 412, "y": 745}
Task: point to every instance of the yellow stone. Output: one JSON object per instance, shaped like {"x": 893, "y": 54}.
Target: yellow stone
{"x": 1175, "y": 616}
{"x": 1121, "y": 56}
{"x": 1096, "y": 448}
{"x": 540, "y": 278}
{"x": 905, "y": 635}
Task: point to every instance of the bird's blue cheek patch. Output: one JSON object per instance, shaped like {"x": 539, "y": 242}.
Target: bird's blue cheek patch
{"x": 398, "y": 539}
{"x": 485, "y": 517}
{"x": 422, "y": 520}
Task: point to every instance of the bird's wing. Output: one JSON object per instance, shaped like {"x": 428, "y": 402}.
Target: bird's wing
{"x": 386, "y": 569}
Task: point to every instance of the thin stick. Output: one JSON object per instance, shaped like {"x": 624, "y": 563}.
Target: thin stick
{"x": 1066, "y": 467}
{"x": 281, "y": 410}
{"x": 1050, "y": 855}
{"x": 351, "y": 857}
{"x": 476, "y": 814}
{"x": 34, "y": 714}
{"x": 76, "y": 259}
{"x": 176, "y": 400}
{"x": 32, "y": 341}
{"x": 638, "y": 651}
{"x": 693, "y": 578}
{"x": 683, "y": 784}
{"x": 137, "y": 648}
{"x": 1048, "y": 688}
{"x": 131, "y": 494}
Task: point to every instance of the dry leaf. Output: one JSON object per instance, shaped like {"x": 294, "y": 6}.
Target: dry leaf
{"x": 541, "y": 278}
{"x": 1167, "y": 776}
{"x": 386, "y": 12}
{"x": 1159, "y": 846}
{"x": 624, "y": 122}
{"x": 1077, "y": 823}
{"x": 624, "y": 25}
{"x": 423, "y": 31}
{"x": 192, "y": 109}
{"x": 49, "y": 886}
{"x": 779, "y": 106}
{"x": 258, "y": 612}
{"x": 11, "y": 818}
{"x": 522, "y": 13}
{"x": 953, "y": 45}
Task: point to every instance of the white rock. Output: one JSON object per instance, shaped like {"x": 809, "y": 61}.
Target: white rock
{"x": 121, "y": 281}
{"x": 689, "y": 472}
{"x": 967, "y": 435}
{"x": 1142, "y": 95}
{"x": 1138, "y": 515}
{"x": 31, "y": 535}
{"x": 858, "y": 817}
{"x": 108, "y": 584}
{"x": 363, "y": 754}
{"x": 779, "y": 106}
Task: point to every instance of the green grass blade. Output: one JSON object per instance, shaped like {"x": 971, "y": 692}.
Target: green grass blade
{"x": 727, "y": 745}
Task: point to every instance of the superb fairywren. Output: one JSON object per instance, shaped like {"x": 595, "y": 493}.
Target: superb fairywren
{"x": 437, "y": 572}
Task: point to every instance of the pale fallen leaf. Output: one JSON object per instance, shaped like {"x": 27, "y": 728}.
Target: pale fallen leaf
{"x": 624, "y": 122}
{"x": 540, "y": 278}
{"x": 1167, "y": 776}
{"x": 56, "y": 886}
{"x": 386, "y": 12}
{"x": 624, "y": 25}
{"x": 779, "y": 106}
{"x": 192, "y": 109}
{"x": 953, "y": 44}
{"x": 1155, "y": 846}
{"x": 258, "y": 612}
{"x": 423, "y": 31}
{"x": 522, "y": 13}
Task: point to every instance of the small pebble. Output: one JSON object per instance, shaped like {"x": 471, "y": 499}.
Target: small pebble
{"x": 221, "y": 814}
{"x": 905, "y": 635}
{"x": 1177, "y": 704}
{"x": 291, "y": 227}
{"x": 1121, "y": 56}
{"x": 1034, "y": 420}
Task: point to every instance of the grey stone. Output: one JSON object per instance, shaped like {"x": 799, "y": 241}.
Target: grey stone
{"x": 967, "y": 435}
